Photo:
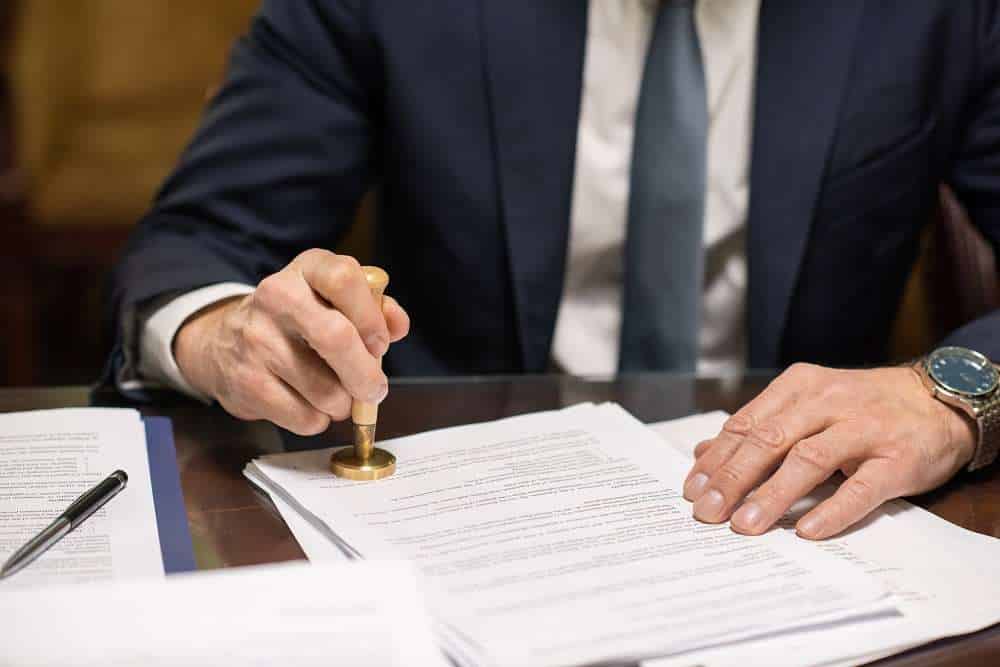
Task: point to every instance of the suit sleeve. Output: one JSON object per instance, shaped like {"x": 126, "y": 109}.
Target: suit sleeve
{"x": 282, "y": 157}
{"x": 976, "y": 170}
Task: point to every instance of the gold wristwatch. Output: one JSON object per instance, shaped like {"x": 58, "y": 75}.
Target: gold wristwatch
{"x": 967, "y": 380}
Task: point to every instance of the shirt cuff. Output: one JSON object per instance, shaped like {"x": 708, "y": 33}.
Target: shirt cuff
{"x": 156, "y": 364}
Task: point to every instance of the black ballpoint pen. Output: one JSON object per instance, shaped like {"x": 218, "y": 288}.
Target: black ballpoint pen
{"x": 75, "y": 514}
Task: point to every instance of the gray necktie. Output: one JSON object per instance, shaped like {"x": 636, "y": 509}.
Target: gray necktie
{"x": 663, "y": 249}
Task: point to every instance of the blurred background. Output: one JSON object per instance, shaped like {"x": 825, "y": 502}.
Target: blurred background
{"x": 101, "y": 97}
{"x": 98, "y": 98}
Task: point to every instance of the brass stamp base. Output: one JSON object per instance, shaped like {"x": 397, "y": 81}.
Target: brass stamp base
{"x": 345, "y": 463}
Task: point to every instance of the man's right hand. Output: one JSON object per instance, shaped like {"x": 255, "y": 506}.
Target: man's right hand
{"x": 297, "y": 350}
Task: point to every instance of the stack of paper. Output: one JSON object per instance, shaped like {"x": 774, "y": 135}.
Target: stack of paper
{"x": 561, "y": 538}
{"x": 359, "y": 614}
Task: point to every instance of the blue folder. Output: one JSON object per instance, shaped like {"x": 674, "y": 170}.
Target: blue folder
{"x": 168, "y": 500}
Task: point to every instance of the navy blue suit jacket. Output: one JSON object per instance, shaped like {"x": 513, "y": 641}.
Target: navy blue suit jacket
{"x": 463, "y": 114}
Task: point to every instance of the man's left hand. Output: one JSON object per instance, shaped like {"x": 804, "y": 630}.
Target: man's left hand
{"x": 881, "y": 428}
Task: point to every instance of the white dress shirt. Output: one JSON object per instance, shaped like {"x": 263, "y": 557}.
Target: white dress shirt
{"x": 589, "y": 320}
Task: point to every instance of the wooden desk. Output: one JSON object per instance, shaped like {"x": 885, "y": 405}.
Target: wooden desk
{"x": 233, "y": 524}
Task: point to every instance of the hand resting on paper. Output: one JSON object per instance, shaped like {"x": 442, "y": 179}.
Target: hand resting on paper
{"x": 881, "y": 428}
{"x": 298, "y": 349}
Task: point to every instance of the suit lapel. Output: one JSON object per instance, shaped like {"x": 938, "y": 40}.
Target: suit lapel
{"x": 534, "y": 66}
{"x": 803, "y": 62}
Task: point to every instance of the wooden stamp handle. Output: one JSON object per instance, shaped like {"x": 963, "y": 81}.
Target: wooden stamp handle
{"x": 366, "y": 414}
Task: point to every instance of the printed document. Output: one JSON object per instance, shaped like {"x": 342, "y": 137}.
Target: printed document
{"x": 47, "y": 460}
{"x": 562, "y": 538}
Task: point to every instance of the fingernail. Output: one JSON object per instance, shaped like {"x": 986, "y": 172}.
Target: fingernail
{"x": 810, "y": 526}
{"x": 709, "y": 506}
{"x": 377, "y": 344}
{"x": 379, "y": 394}
{"x": 695, "y": 486}
{"x": 748, "y": 517}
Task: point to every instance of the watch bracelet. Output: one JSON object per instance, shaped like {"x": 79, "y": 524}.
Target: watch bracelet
{"x": 988, "y": 420}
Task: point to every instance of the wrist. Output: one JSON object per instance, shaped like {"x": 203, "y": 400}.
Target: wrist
{"x": 963, "y": 432}
{"x": 193, "y": 346}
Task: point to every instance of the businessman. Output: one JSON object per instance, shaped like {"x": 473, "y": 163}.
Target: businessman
{"x": 603, "y": 186}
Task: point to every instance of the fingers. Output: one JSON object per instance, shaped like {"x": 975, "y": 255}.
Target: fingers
{"x": 340, "y": 280}
{"x": 859, "y": 495}
{"x": 276, "y": 376}
{"x": 712, "y": 454}
{"x": 808, "y": 464}
{"x": 267, "y": 397}
{"x": 702, "y": 448}
{"x": 396, "y": 319}
{"x": 307, "y": 374}
{"x": 324, "y": 300}
{"x": 336, "y": 340}
{"x": 761, "y": 450}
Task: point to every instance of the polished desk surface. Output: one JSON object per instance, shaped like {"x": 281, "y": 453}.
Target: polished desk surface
{"x": 234, "y": 524}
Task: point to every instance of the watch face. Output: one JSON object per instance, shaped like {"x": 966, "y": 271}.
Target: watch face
{"x": 962, "y": 371}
